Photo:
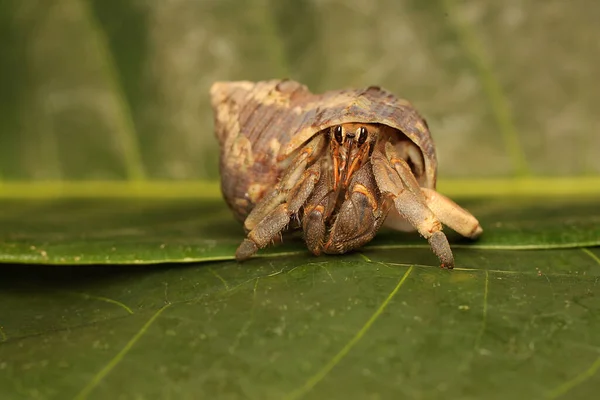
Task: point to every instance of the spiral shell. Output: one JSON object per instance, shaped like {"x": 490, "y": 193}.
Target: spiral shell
{"x": 259, "y": 125}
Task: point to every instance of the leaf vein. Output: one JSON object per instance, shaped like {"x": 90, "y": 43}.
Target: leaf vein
{"x": 219, "y": 277}
{"x": 576, "y": 381}
{"x": 322, "y": 373}
{"x": 592, "y": 255}
{"x": 126, "y": 129}
{"x": 485, "y": 310}
{"x": 117, "y": 358}
{"x": 104, "y": 299}
{"x": 492, "y": 88}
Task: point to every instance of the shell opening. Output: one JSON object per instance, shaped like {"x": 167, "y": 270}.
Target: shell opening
{"x": 405, "y": 147}
{"x": 408, "y": 150}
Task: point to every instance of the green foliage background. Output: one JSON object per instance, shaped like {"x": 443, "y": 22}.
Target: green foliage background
{"x": 108, "y": 166}
{"x": 118, "y": 89}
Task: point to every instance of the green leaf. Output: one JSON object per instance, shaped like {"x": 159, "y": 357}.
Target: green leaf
{"x": 145, "y": 231}
{"x": 291, "y": 327}
{"x": 382, "y": 322}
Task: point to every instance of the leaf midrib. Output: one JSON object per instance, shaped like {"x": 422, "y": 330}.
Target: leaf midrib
{"x": 202, "y": 189}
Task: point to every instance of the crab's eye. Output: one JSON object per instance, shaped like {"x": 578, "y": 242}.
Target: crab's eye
{"x": 362, "y": 135}
{"x": 337, "y": 132}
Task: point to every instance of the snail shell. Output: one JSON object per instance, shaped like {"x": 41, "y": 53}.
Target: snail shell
{"x": 260, "y": 125}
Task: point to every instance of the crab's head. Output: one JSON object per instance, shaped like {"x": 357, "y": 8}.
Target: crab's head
{"x": 350, "y": 146}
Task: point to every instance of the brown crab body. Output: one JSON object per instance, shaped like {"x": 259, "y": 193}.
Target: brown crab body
{"x": 365, "y": 150}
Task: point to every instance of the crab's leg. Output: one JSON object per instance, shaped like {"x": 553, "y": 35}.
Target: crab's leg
{"x": 291, "y": 176}
{"x": 278, "y": 218}
{"x": 448, "y": 212}
{"x": 451, "y": 214}
{"x": 360, "y": 215}
{"x": 396, "y": 181}
{"x": 317, "y": 210}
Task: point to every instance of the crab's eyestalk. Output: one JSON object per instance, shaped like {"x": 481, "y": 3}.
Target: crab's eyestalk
{"x": 362, "y": 135}
{"x": 338, "y": 134}
{"x": 350, "y": 145}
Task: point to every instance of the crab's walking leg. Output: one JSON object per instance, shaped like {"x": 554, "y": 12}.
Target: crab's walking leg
{"x": 448, "y": 212}
{"x": 395, "y": 180}
{"x": 360, "y": 215}
{"x": 278, "y": 218}
{"x": 317, "y": 210}
{"x": 451, "y": 214}
{"x": 291, "y": 176}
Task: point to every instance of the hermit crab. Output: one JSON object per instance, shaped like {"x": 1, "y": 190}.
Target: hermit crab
{"x": 337, "y": 165}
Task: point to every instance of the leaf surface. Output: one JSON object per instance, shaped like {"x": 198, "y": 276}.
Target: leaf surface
{"x": 354, "y": 326}
{"x": 384, "y": 321}
{"x": 143, "y": 231}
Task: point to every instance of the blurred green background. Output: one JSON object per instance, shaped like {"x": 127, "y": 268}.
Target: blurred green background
{"x": 118, "y": 89}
